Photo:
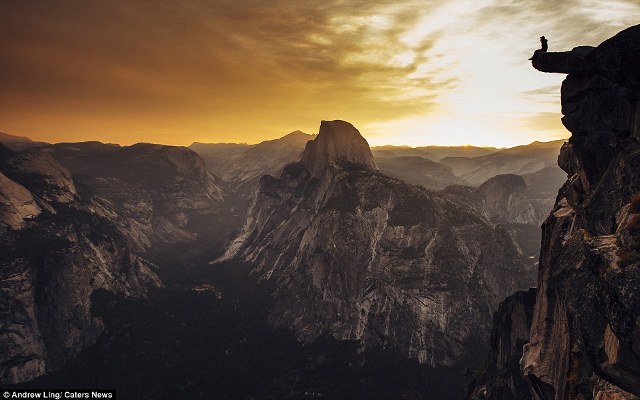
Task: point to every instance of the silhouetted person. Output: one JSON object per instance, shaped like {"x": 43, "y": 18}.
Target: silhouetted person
{"x": 544, "y": 46}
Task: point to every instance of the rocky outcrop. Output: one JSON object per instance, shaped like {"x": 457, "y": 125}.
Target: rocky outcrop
{"x": 511, "y": 325}
{"x": 338, "y": 143}
{"x": 570, "y": 62}
{"x": 42, "y": 175}
{"x": 585, "y": 336}
{"x": 17, "y": 205}
{"x": 351, "y": 253}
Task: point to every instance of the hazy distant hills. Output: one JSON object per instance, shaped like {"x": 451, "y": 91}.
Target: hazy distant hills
{"x": 434, "y": 153}
{"x": 433, "y": 167}
{"x": 418, "y": 170}
{"x": 17, "y": 143}
{"x": 240, "y": 162}
{"x": 517, "y": 160}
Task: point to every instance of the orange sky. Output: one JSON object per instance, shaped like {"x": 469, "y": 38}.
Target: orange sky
{"x": 403, "y": 72}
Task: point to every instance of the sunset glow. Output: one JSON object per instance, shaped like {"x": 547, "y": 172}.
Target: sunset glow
{"x": 404, "y": 72}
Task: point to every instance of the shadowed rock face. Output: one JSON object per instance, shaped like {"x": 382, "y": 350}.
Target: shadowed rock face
{"x": 337, "y": 143}
{"x": 43, "y": 175}
{"x": 79, "y": 217}
{"x": 53, "y": 258}
{"x": 349, "y": 252}
{"x": 585, "y": 335}
{"x": 511, "y": 324}
{"x": 502, "y": 199}
{"x": 151, "y": 192}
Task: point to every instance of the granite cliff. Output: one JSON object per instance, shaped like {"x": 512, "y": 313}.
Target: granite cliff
{"x": 75, "y": 218}
{"x": 503, "y": 199}
{"x": 502, "y": 379}
{"x": 354, "y": 254}
{"x": 585, "y": 333}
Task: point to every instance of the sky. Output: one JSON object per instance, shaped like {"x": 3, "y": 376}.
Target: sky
{"x": 404, "y": 72}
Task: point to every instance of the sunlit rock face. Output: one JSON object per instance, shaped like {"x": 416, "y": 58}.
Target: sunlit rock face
{"x": 75, "y": 218}
{"x": 585, "y": 335}
{"x": 42, "y": 175}
{"x": 338, "y": 143}
{"x": 17, "y": 205}
{"x": 349, "y": 252}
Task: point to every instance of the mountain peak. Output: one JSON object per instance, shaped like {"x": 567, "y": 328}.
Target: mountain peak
{"x": 338, "y": 143}
{"x": 297, "y": 134}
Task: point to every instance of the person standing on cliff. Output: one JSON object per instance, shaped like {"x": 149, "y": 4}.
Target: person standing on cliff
{"x": 544, "y": 46}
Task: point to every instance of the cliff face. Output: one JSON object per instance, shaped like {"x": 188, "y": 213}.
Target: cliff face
{"x": 511, "y": 325}
{"x": 357, "y": 255}
{"x": 585, "y": 335}
{"x": 55, "y": 254}
{"x": 150, "y": 192}
{"x": 75, "y": 218}
{"x": 502, "y": 199}
{"x": 339, "y": 144}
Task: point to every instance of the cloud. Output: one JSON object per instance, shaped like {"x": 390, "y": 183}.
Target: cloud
{"x": 119, "y": 70}
{"x": 546, "y": 121}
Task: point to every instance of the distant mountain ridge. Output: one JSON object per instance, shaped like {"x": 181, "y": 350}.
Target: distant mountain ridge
{"x": 241, "y": 162}
{"x": 517, "y": 160}
{"x": 18, "y": 143}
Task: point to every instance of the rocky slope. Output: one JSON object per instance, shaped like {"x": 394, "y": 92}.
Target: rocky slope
{"x": 55, "y": 254}
{"x": 79, "y": 217}
{"x": 506, "y": 200}
{"x": 543, "y": 187}
{"x": 503, "y": 199}
{"x": 152, "y": 193}
{"x": 351, "y": 253}
{"x": 585, "y": 336}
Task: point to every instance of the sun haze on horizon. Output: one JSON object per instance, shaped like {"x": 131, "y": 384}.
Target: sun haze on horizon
{"x": 404, "y": 72}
